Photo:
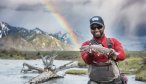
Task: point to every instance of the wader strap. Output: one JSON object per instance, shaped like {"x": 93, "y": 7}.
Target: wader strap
{"x": 92, "y": 41}
{"x": 109, "y": 43}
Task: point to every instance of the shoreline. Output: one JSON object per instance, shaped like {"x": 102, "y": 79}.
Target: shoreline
{"x": 132, "y": 63}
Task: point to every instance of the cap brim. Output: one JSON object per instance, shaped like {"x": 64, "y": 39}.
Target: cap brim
{"x": 97, "y": 23}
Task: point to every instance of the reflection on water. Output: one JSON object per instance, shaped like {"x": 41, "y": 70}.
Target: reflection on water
{"x": 10, "y": 73}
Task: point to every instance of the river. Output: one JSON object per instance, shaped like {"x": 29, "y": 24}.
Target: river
{"x": 10, "y": 73}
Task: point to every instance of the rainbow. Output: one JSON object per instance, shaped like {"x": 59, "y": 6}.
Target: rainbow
{"x": 63, "y": 23}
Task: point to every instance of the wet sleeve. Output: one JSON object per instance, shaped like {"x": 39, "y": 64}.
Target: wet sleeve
{"x": 119, "y": 50}
{"x": 88, "y": 59}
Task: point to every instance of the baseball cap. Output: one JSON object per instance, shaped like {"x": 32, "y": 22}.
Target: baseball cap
{"x": 96, "y": 20}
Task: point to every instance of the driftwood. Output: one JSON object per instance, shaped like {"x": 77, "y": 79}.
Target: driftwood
{"x": 43, "y": 77}
{"x": 30, "y": 68}
{"x": 48, "y": 72}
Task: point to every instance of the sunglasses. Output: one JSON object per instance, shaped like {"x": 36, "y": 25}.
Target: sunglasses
{"x": 93, "y": 27}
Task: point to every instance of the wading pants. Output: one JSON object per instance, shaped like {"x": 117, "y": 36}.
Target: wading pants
{"x": 115, "y": 81}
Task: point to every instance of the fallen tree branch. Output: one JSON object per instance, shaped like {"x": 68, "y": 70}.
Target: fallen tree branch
{"x": 30, "y": 68}
{"x": 43, "y": 77}
{"x": 48, "y": 72}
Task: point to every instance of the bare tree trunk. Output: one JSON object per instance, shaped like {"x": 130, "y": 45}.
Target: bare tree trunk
{"x": 43, "y": 77}
{"x": 30, "y": 68}
{"x": 48, "y": 60}
{"x": 48, "y": 72}
{"x": 66, "y": 66}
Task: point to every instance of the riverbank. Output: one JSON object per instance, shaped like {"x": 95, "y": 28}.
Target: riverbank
{"x": 141, "y": 74}
{"x": 10, "y": 73}
{"x": 134, "y": 62}
{"x": 29, "y": 55}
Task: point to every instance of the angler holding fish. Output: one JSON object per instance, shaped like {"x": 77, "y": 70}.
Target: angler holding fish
{"x": 102, "y": 54}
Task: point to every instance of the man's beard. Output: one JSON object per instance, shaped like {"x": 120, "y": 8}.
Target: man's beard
{"x": 97, "y": 34}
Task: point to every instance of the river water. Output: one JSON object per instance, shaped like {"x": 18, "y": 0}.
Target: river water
{"x": 10, "y": 73}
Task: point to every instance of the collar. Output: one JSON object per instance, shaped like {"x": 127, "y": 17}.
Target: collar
{"x": 101, "y": 40}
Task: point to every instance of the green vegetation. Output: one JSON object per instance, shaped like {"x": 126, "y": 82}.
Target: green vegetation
{"x": 81, "y": 63}
{"x": 141, "y": 73}
{"x": 61, "y": 55}
{"x": 68, "y": 55}
{"x": 141, "y": 76}
{"x": 76, "y": 72}
{"x": 135, "y": 61}
{"x": 131, "y": 64}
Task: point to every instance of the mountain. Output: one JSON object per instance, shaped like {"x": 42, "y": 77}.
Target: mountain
{"x": 64, "y": 37}
{"x": 3, "y": 29}
{"x": 37, "y": 31}
{"x": 22, "y": 39}
{"x": 16, "y": 43}
{"x": 6, "y": 29}
{"x": 45, "y": 42}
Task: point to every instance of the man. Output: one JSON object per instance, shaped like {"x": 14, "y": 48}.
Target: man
{"x": 102, "y": 67}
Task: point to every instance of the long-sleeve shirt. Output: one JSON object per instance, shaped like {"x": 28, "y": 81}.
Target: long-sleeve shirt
{"x": 116, "y": 45}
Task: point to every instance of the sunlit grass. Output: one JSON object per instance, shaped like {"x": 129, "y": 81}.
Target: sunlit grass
{"x": 76, "y": 72}
{"x": 131, "y": 64}
{"x": 141, "y": 75}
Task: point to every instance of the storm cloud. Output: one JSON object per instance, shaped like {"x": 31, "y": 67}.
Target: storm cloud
{"x": 124, "y": 19}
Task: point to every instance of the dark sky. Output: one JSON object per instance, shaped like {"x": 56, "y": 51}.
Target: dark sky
{"x": 124, "y": 19}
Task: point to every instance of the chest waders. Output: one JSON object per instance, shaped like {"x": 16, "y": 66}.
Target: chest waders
{"x": 104, "y": 72}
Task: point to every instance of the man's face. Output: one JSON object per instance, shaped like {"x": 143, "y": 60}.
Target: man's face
{"x": 97, "y": 30}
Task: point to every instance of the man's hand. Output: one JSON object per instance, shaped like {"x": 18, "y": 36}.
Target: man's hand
{"x": 92, "y": 51}
{"x": 112, "y": 54}
{"x": 89, "y": 49}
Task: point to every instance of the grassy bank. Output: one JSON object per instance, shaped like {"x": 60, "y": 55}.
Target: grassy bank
{"x": 141, "y": 75}
{"x": 130, "y": 64}
{"x": 61, "y": 55}
{"x": 135, "y": 61}
{"x": 76, "y": 72}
